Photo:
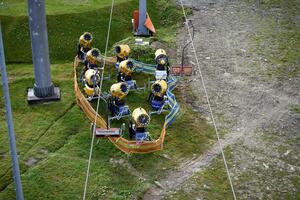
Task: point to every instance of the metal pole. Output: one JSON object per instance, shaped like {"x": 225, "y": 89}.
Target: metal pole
{"x": 43, "y": 87}
{"x": 142, "y": 30}
{"x": 10, "y": 125}
{"x": 39, "y": 43}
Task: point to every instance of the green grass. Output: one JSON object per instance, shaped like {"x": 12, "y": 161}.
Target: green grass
{"x": 54, "y": 7}
{"x": 211, "y": 183}
{"x": 34, "y": 122}
{"x": 295, "y": 109}
{"x": 65, "y": 29}
{"x": 58, "y": 136}
{"x": 278, "y": 39}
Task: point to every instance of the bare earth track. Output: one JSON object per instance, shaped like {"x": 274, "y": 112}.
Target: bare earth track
{"x": 247, "y": 106}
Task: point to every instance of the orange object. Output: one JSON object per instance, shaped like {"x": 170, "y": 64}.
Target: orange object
{"x": 148, "y": 22}
{"x": 135, "y": 16}
{"x": 178, "y": 70}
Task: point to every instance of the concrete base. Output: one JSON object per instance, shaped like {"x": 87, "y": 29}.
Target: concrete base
{"x": 142, "y": 35}
{"x": 32, "y": 99}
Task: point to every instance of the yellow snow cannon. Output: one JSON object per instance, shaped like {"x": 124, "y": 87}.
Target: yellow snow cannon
{"x": 91, "y": 90}
{"x": 92, "y": 77}
{"x": 157, "y": 97}
{"x": 159, "y": 88}
{"x": 119, "y": 90}
{"x": 84, "y": 45}
{"x": 125, "y": 74}
{"x": 126, "y": 67}
{"x": 93, "y": 58}
{"x": 140, "y": 118}
{"x": 116, "y": 103}
{"x": 122, "y": 52}
{"x": 137, "y": 127}
{"x": 161, "y": 57}
{"x": 85, "y": 40}
{"x": 162, "y": 65}
{"x": 92, "y": 80}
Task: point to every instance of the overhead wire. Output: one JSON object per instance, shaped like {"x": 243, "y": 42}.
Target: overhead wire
{"x": 98, "y": 102}
{"x": 208, "y": 102}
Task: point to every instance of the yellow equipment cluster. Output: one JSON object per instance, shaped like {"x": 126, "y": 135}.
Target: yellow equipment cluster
{"x": 92, "y": 60}
{"x": 140, "y": 117}
{"x": 84, "y": 45}
{"x": 119, "y": 90}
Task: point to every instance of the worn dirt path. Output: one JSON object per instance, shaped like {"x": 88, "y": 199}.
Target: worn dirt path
{"x": 242, "y": 101}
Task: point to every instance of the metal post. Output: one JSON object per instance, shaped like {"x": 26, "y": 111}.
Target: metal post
{"x": 142, "y": 30}
{"x": 43, "y": 89}
{"x": 10, "y": 125}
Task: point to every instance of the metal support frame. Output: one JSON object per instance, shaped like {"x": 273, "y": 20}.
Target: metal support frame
{"x": 138, "y": 89}
{"x": 10, "y": 124}
{"x": 161, "y": 110}
{"x": 118, "y": 116}
{"x": 43, "y": 89}
{"x": 142, "y": 30}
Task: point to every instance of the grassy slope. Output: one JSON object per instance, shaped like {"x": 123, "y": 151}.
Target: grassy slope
{"x": 57, "y": 134}
{"x": 54, "y": 7}
{"x": 64, "y": 29}
{"x": 62, "y": 147}
{"x": 211, "y": 183}
{"x": 278, "y": 41}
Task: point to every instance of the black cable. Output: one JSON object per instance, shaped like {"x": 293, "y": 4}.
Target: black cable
{"x": 188, "y": 43}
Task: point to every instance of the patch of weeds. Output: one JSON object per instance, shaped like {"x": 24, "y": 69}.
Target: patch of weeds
{"x": 295, "y": 109}
{"x": 211, "y": 183}
{"x": 278, "y": 38}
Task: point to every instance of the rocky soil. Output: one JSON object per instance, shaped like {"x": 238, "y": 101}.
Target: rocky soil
{"x": 258, "y": 115}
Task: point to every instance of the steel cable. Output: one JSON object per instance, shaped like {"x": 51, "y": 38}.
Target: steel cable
{"x": 208, "y": 101}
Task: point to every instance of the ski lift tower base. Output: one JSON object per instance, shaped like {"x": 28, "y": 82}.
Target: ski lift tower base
{"x": 33, "y": 99}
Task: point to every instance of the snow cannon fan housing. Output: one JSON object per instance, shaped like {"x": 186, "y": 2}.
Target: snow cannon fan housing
{"x": 90, "y": 91}
{"x": 126, "y": 67}
{"x": 122, "y": 51}
{"x": 93, "y": 56}
{"x": 85, "y": 40}
{"x": 140, "y": 118}
{"x": 159, "y": 88}
{"x": 116, "y": 101}
{"x": 162, "y": 65}
{"x": 119, "y": 90}
{"x": 92, "y": 77}
{"x": 161, "y": 58}
{"x": 92, "y": 80}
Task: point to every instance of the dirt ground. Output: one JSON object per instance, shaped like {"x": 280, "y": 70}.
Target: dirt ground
{"x": 254, "y": 112}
